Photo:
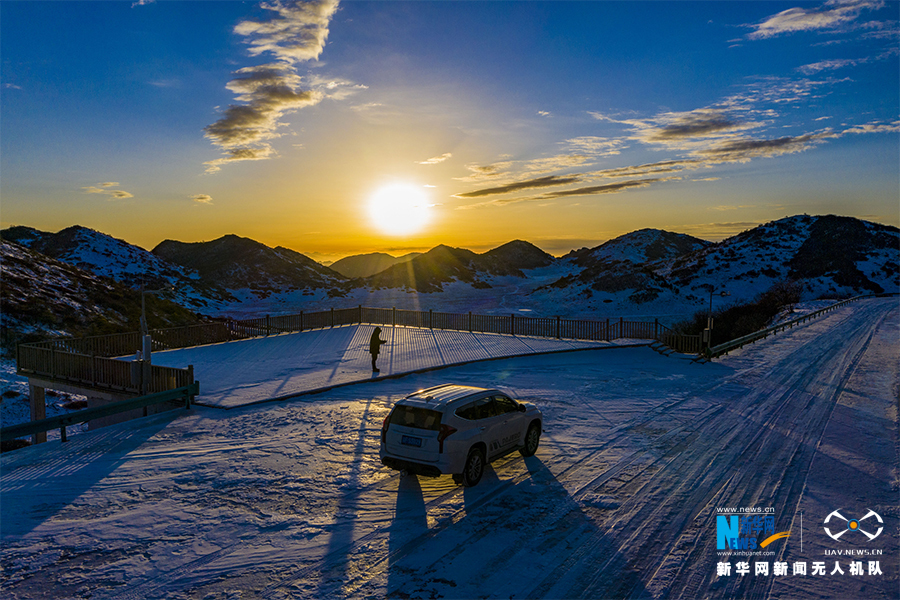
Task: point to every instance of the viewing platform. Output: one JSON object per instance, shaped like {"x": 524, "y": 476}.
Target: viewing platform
{"x": 277, "y": 367}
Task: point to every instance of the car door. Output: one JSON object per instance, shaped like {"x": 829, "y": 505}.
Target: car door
{"x": 491, "y": 423}
{"x": 510, "y": 427}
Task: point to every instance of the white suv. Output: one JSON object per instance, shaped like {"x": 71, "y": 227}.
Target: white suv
{"x": 457, "y": 429}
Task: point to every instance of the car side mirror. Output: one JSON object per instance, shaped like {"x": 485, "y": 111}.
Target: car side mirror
{"x": 522, "y": 408}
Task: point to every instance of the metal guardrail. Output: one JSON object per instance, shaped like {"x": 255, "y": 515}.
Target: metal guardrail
{"x": 740, "y": 342}
{"x": 61, "y": 422}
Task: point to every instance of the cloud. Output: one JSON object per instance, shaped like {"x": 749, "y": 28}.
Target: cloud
{"x": 202, "y": 199}
{"x": 830, "y": 65}
{"x": 142, "y": 3}
{"x": 875, "y": 128}
{"x": 295, "y": 32}
{"x": 595, "y": 190}
{"x": 511, "y": 171}
{"x": 595, "y": 146}
{"x": 239, "y": 154}
{"x": 11, "y": 86}
{"x": 105, "y": 189}
{"x": 544, "y": 113}
{"x": 744, "y": 150}
{"x": 521, "y": 185}
{"x": 832, "y": 15}
{"x": 435, "y": 160}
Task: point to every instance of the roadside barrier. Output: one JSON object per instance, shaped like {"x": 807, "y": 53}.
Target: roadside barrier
{"x": 762, "y": 334}
{"x": 82, "y": 416}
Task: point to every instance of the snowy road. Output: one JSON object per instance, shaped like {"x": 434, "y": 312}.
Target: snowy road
{"x": 620, "y": 501}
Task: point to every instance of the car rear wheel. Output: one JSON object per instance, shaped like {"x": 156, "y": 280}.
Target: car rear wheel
{"x": 474, "y": 468}
{"x": 532, "y": 439}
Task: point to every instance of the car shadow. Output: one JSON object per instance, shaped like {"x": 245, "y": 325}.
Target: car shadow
{"x": 520, "y": 534}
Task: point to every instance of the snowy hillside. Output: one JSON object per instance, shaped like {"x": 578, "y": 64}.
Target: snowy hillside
{"x": 831, "y": 256}
{"x": 41, "y": 297}
{"x": 106, "y": 256}
{"x": 643, "y": 274}
{"x": 236, "y": 263}
{"x": 642, "y": 246}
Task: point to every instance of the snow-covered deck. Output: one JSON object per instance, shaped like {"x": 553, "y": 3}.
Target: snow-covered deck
{"x": 248, "y": 372}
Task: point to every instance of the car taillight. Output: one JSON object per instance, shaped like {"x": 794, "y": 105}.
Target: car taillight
{"x": 446, "y": 431}
{"x": 384, "y": 426}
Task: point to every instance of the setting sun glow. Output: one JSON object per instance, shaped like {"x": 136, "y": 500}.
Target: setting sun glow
{"x": 399, "y": 209}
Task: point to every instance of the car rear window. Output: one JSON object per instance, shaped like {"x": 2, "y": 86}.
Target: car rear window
{"x": 413, "y": 416}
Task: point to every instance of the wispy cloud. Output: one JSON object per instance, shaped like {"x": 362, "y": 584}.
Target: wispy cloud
{"x": 105, "y": 188}
{"x": 540, "y": 182}
{"x": 832, "y": 15}
{"x": 436, "y": 160}
{"x": 744, "y": 150}
{"x": 202, "y": 199}
{"x": 295, "y": 32}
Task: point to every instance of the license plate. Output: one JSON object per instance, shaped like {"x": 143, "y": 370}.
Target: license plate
{"x": 411, "y": 441}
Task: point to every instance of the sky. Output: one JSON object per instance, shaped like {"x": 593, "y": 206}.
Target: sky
{"x": 341, "y": 128}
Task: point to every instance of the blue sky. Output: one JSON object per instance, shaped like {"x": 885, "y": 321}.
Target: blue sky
{"x": 564, "y": 124}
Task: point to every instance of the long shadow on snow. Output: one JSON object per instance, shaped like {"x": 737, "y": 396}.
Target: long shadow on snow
{"x": 39, "y": 481}
{"x": 514, "y": 539}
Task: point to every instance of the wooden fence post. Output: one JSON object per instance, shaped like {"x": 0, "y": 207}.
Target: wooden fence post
{"x": 512, "y": 324}
{"x": 557, "y": 327}
{"x": 470, "y": 321}
{"x": 189, "y": 398}
{"x": 267, "y": 325}
{"x": 332, "y": 316}
{"x": 656, "y": 329}
{"x": 430, "y": 318}
{"x": 393, "y": 316}
{"x": 301, "y": 320}
{"x": 360, "y": 314}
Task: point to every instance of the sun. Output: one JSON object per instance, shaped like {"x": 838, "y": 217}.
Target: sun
{"x": 400, "y": 209}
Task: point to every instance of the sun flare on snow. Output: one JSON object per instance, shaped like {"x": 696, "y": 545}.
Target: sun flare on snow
{"x": 400, "y": 209}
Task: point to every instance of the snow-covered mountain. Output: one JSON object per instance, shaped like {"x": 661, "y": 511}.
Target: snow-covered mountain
{"x": 105, "y": 256}
{"x": 443, "y": 265}
{"x": 41, "y": 296}
{"x": 641, "y": 246}
{"x": 236, "y": 263}
{"x": 366, "y": 265}
{"x": 830, "y": 256}
{"x": 648, "y": 273}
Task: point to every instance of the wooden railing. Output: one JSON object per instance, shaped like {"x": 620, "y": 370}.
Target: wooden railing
{"x": 184, "y": 393}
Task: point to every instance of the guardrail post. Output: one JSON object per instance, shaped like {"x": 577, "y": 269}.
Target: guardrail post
{"x": 188, "y": 398}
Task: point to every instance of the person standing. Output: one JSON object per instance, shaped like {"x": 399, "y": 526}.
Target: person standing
{"x": 375, "y": 347}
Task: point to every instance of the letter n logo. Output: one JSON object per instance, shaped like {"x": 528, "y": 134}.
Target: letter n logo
{"x": 726, "y": 529}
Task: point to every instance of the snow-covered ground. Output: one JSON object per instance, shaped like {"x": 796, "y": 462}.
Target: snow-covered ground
{"x": 639, "y": 452}
{"x": 245, "y": 372}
